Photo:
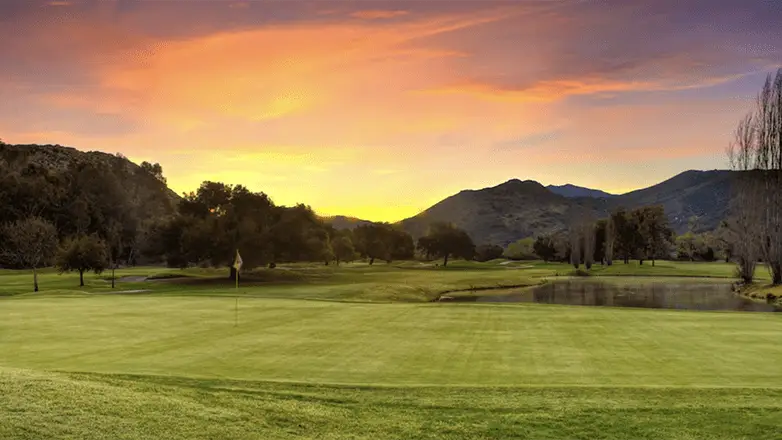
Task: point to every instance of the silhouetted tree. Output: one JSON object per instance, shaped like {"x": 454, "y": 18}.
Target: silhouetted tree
{"x": 445, "y": 240}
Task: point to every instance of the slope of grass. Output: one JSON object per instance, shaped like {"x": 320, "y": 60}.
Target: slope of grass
{"x": 91, "y": 406}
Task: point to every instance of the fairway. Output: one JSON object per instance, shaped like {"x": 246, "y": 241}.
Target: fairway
{"x": 317, "y": 357}
{"x": 326, "y": 342}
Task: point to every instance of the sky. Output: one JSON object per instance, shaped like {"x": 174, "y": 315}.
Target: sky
{"x": 378, "y": 109}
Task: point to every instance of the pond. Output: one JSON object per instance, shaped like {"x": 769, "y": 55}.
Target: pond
{"x": 626, "y": 292}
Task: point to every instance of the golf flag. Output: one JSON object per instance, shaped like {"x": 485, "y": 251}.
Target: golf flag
{"x": 238, "y": 261}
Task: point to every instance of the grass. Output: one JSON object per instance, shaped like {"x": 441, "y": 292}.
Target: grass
{"x": 92, "y": 406}
{"x": 79, "y": 363}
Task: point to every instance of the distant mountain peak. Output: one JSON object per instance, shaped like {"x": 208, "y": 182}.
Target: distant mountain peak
{"x": 571, "y": 191}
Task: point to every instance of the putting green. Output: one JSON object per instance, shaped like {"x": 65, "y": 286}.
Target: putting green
{"x": 327, "y": 342}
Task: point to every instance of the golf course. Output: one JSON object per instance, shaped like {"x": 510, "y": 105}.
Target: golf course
{"x": 359, "y": 351}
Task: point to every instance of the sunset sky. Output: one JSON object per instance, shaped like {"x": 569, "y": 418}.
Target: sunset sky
{"x": 378, "y": 109}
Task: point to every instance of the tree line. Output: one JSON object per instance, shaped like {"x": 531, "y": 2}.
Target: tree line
{"x": 80, "y": 218}
{"x": 641, "y": 234}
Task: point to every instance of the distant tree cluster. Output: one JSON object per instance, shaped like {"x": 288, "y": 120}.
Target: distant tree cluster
{"x": 756, "y": 209}
{"x": 642, "y": 234}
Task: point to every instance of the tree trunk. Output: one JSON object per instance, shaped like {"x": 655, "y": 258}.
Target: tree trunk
{"x": 641, "y": 261}
{"x": 652, "y": 261}
{"x": 372, "y": 261}
{"x": 445, "y": 261}
{"x": 35, "y": 279}
{"x": 81, "y": 277}
{"x": 112, "y": 275}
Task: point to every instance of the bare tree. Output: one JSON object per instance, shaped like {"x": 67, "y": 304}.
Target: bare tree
{"x": 757, "y": 197}
{"x": 575, "y": 247}
{"x": 610, "y": 240}
{"x": 588, "y": 238}
{"x": 30, "y": 243}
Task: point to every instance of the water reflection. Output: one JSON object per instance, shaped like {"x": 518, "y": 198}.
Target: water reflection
{"x": 651, "y": 295}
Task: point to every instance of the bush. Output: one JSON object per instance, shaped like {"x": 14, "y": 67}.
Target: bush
{"x": 485, "y": 253}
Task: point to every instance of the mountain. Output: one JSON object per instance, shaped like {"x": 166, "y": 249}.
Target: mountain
{"x": 500, "y": 214}
{"x": 572, "y": 191}
{"x": 704, "y": 194}
{"x": 517, "y": 209}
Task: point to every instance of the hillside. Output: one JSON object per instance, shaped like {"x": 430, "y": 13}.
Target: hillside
{"x": 572, "y": 191}
{"x": 149, "y": 197}
{"x": 343, "y": 222}
{"x": 704, "y": 194}
{"x": 501, "y": 214}
{"x": 516, "y": 209}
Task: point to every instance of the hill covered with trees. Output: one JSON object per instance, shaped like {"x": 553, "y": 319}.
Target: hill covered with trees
{"x": 518, "y": 209}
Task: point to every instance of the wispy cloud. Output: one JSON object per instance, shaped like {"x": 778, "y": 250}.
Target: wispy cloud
{"x": 376, "y": 14}
{"x": 532, "y": 140}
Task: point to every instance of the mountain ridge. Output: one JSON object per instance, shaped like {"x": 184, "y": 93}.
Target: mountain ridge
{"x": 570, "y": 190}
{"x": 516, "y": 209}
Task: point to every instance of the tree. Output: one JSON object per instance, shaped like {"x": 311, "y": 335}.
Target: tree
{"x": 445, "y": 240}
{"x": 523, "y": 249}
{"x": 687, "y": 246}
{"x": 343, "y": 249}
{"x": 401, "y": 244}
{"x": 30, "y": 243}
{"x": 610, "y": 240}
{"x": 488, "y": 252}
{"x": 372, "y": 241}
{"x": 155, "y": 169}
{"x": 655, "y": 231}
{"x": 588, "y": 240}
{"x": 545, "y": 248}
{"x": 756, "y": 207}
{"x": 84, "y": 253}
{"x": 723, "y": 240}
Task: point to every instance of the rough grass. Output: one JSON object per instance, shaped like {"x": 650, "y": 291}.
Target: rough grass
{"x": 91, "y": 406}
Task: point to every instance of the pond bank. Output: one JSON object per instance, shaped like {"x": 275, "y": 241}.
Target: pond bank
{"x": 633, "y": 292}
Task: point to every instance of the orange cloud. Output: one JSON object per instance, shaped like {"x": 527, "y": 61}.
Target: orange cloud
{"x": 268, "y": 73}
{"x": 378, "y": 14}
{"x": 556, "y": 89}
{"x": 59, "y": 3}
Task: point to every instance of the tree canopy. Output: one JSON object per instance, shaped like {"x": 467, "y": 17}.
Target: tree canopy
{"x": 445, "y": 240}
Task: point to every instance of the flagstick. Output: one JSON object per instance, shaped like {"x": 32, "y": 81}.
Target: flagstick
{"x": 236, "y": 306}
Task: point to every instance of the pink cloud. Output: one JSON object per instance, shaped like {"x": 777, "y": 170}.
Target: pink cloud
{"x": 378, "y": 14}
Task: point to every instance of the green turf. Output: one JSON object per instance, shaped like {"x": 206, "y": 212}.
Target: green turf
{"x": 82, "y": 364}
{"x": 403, "y": 281}
{"x": 90, "y": 406}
